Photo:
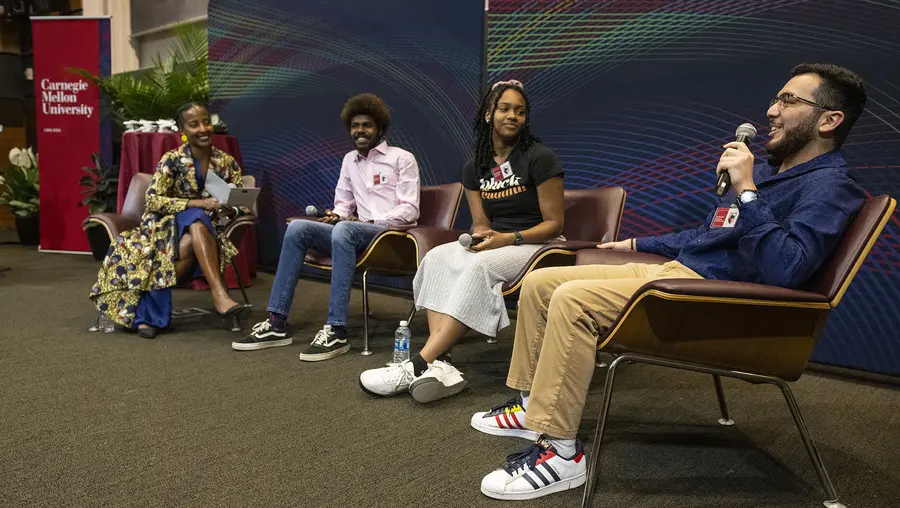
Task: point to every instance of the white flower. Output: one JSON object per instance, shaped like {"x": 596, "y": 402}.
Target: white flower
{"x": 23, "y": 159}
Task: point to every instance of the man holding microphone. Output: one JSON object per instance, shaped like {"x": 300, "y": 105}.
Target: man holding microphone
{"x": 780, "y": 223}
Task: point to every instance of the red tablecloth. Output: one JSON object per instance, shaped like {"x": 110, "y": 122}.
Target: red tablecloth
{"x": 141, "y": 152}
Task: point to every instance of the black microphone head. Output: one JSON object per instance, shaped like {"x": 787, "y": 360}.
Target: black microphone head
{"x": 746, "y": 131}
{"x": 465, "y": 240}
{"x": 312, "y": 211}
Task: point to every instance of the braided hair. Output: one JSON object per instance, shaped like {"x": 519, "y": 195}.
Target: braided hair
{"x": 484, "y": 143}
{"x": 179, "y": 116}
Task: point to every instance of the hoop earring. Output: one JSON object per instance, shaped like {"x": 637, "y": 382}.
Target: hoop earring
{"x": 183, "y": 138}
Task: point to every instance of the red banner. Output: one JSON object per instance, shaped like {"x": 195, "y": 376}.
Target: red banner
{"x": 69, "y": 122}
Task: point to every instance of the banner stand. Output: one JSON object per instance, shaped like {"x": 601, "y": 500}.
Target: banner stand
{"x": 69, "y": 120}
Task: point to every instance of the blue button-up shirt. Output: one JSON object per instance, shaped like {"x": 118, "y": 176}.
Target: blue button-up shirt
{"x": 779, "y": 239}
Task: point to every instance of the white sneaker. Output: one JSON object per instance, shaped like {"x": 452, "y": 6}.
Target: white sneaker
{"x": 505, "y": 420}
{"x": 386, "y": 381}
{"x": 535, "y": 472}
{"x": 439, "y": 381}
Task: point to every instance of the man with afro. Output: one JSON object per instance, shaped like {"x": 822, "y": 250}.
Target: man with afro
{"x": 378, "y": 187}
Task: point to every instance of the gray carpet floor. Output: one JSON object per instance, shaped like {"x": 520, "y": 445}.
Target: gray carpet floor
{"x": 111, "y": 420}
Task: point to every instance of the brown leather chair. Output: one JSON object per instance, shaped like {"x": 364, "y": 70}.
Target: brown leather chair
{"x": 592, "y": 216}
{"x": 690, "y": 324}
{"x": 395, "y": 251}
{"x": 133, "y": 209}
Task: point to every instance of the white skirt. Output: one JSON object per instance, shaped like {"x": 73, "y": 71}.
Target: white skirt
{"x": 467, "y": 285}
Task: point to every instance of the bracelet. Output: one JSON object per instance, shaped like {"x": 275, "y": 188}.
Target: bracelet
{"x": 633, "y": 244}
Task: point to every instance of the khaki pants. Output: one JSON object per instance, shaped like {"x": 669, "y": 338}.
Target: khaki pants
{"x": 562, "y": 311}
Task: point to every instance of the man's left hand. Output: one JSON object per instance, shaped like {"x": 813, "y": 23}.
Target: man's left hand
{"x": 738, "y": 161}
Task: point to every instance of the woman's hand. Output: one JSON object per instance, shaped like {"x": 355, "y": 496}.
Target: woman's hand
{"x": 492, "y": 240}
{"x": 208, "y": 204}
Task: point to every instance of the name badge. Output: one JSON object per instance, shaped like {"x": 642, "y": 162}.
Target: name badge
{"x": 379, "y": 178}
{"x": 497, "y": 172}
{"x": 725, "y": 217}
{"x": 506, "y": 169}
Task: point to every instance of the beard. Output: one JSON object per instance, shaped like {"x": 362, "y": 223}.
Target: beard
{"x": 793, "y": 140}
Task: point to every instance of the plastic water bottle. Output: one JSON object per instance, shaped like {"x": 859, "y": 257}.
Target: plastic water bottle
{"x": 401, "y": 343}
{"x": 105, "y": 324}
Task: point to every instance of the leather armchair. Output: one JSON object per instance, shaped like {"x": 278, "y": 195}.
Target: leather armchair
{"x": 133, "y": 209}
{"x": 397, "y": 251}
{"x": 690, "y": 324}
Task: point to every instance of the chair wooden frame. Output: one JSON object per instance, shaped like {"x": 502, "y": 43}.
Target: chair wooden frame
{"x": 396, "y": 251}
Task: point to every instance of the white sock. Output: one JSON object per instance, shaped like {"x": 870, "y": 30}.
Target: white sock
{"x": 564, "y": 447}
{"x": 525, "y": 396}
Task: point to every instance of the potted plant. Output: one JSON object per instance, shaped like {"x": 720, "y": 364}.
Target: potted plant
{"x": 158, "y": 92}
{"x": 21, "y": 193}
{"x": 101, "y": 185}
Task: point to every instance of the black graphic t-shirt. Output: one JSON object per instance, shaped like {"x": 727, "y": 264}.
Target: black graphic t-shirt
{"x": 509, "y": 191}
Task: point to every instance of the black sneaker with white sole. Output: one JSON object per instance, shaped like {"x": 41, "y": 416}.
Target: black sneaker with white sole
{"x": 326, "y": 345}
{"x": 264, "y": 335}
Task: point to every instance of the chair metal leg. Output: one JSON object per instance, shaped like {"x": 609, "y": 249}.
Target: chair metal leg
{"x": 723, "y": 406}
{"x": 237, "y": 275}
{"x": 832, "y": 497}
{"x": 365, "y": 295}
{"x": 412, "y": 314}
{"x": 831, "y": 502}
{"x": 593, "y": 459}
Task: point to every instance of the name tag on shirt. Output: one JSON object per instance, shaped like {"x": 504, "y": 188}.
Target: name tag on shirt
{"x": 379, "y": 178}
{"x": 725, "y": 217}
{"x": 502, "y": 171}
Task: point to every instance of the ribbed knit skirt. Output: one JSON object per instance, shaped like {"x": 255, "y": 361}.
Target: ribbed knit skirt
{"x": 467, "y": 285}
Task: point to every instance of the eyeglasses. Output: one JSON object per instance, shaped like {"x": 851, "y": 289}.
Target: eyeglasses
{"x": 786, "y": 99}
{"x": 512, "y": 82}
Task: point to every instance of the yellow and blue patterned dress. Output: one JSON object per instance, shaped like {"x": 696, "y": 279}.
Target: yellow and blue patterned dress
{"x": 143, "y": 259}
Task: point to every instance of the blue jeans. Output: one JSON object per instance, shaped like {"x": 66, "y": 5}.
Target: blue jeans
{"x": 343, "y": 242}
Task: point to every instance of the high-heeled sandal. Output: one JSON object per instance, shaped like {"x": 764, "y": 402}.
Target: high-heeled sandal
{"x": 233, "y": 311}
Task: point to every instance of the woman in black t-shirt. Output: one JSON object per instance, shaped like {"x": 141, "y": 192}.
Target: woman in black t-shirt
{"x": 515, "y": 192}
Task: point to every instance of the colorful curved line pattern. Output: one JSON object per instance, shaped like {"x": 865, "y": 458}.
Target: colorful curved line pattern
{"x": 282, "y": 70}
{"x": 640, "y": 94}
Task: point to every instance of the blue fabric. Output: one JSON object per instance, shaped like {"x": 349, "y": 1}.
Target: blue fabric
{"x": 343, "y": 242}
{"x": 155, "y": 307}
{"x": 781, "y": 238}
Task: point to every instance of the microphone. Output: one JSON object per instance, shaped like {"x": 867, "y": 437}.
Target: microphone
{"x": 467, "y": 240}
{"x": 312, "y": 211}
{"x": 744, "y": 134}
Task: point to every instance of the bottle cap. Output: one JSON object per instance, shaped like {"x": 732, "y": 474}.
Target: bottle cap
{"x": 404, "y": 323}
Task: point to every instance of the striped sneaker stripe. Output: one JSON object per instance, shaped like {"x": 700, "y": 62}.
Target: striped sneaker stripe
{"x": 499, "y": 422}
{"x": 508, "y": 423}
{"x": 519, "y": 425}
{"x": 537, "y": 473}
{"x": 532, "y": 482}
{"x": 551, "y": 471}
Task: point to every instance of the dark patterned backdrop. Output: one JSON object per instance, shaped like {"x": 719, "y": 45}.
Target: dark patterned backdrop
{"x": 640, "y": 94}
{"x": 281, "y": 70}
{"x": 643, "y": 94}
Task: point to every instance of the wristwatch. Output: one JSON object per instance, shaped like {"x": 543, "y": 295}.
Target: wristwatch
{"x": 519, "y": 239}
{"x": 747, "y": 196}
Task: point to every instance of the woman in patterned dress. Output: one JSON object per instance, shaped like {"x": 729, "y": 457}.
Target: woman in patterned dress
{"x": 176, "y": 240}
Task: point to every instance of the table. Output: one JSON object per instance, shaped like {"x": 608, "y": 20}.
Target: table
{"x": 141, "y": 152}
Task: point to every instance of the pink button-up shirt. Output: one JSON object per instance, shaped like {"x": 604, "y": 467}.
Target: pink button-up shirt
{"x": 382, "y": 187}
